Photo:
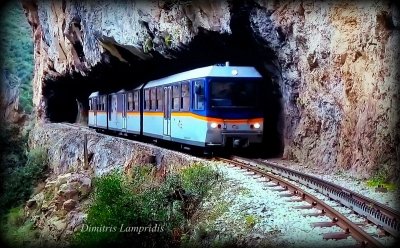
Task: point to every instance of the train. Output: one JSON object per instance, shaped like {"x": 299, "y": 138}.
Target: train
{"x": 216, "y": 106}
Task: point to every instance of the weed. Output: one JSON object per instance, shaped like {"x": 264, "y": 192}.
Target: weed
{"x": 380, "y": 179}
{"x": 244, "y": 191}
{"x": 168, "y": 40}
{"x": 148, "y": 45}
{"x": 250, "y": 221}
{"x": 218, "y": 210}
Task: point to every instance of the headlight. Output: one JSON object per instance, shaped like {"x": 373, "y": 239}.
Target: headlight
{"x": 257, "y": 125}
{"x": 214, "y": 125}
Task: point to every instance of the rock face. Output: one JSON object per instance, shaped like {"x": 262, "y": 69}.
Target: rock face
{"x": 339, "y": 79}
{"x": 9, "y": 100}
{"x": 57, "y": 210}
{"x": 64, "y": 145}
{"x": 337, "y": 63}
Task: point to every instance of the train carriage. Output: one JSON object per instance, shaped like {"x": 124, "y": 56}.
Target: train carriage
{"x": 97, "y": 116}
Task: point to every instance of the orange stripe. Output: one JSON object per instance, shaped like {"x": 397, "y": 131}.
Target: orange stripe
{"x": 133, "y": 113}
{"x": 153, "y": 113}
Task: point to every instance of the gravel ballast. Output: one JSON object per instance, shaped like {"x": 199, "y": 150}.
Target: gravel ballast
{"x": 345, "y": 180}
{"x": 256, "y": 215}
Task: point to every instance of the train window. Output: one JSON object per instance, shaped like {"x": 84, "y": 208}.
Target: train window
{"x": 176, "y": 95}
{"x": 103, "y": 103}
{"x": 185, "y": 97}
{"x": 100, "y": 103}
{"x": 114, "y": 104}
{"x": 199, "y": 95}
{"x": 130, "y": 102}
{"x": 136, "y": 101}
{"x": 153, "y": 98}
{"x": 90, "y": 104}
{"x": 159, "y": 103}
{"x": 97, "y": 103}
{"x": 234, "y": 94}
{"x": 147, "y": 99}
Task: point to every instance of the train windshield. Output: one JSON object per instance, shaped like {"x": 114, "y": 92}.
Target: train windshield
{"x": 235, "y": 93}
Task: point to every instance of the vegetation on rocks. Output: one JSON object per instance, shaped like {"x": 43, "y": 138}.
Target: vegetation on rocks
{"x": 17, "y": 230}
{"x": 381, "y": 178}
{"x": 19, "y": 180}
{"x": 139, "y": 208}
{"x": 16, "y": 67}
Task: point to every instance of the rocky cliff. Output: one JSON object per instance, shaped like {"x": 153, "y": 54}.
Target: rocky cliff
{"x": 335, "y": 64}
{"x": 58, "y": 207}
{"x": 9, "y": 96}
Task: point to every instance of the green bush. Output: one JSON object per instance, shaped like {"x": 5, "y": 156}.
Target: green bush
{"x": 16, "y": 231}
{"x": 197, "y": 178}
{"x": 139, "y": 201}
{"x": 19, "y": 181}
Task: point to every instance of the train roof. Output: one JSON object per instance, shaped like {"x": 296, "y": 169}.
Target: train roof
{"x": 94, "y": 94}
{"x": 208, "y": 71}
{"x": 97, "y": 93}
{"x": 118, "y": 92}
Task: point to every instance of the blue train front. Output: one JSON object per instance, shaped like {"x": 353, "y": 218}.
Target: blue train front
{"x": 213, "y": 106}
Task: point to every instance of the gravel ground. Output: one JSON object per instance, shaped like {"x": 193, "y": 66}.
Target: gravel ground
{"x": 253, "y": 214}
{"x": 389, "y": 198}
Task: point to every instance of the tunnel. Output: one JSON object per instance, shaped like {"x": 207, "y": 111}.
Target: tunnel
{"x": 241, "y": 48}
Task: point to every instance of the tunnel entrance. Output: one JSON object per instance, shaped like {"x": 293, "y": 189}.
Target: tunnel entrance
{"x": 240, "y": 48}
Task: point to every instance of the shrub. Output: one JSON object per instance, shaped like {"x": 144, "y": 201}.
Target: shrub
{"x": 198, "y": 178}
{"x": 140, "y": 201}
{"x": 117, "y": 204}
{"x": 18, "y": 182}
{"x": 16, "y": 231}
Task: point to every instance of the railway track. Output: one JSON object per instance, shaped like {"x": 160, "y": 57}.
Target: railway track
{"x": 296, "y": 186}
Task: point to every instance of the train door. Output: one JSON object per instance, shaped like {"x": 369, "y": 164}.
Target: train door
{"x": 113, "y": 111}
{"x": 95, "y": 111}
{"x": 167, "y": 111}
{"x": 123, "y": 112}
{"x": 114, "y": 107}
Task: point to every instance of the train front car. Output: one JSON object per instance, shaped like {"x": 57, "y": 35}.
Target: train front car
{"x": 213, "y": 106}
{"x": 234, "y": 115}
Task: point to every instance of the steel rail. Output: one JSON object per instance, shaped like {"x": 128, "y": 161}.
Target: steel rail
{"x": 381, "y": 215}
{"x": 350, "y": 228}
